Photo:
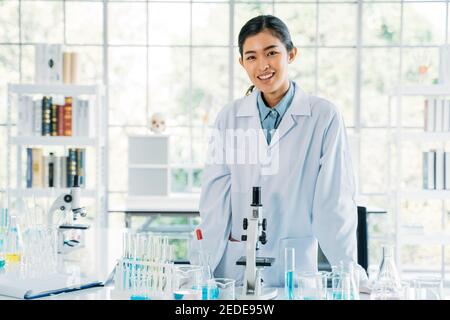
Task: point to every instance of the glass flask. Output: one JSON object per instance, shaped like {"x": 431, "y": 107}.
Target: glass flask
{"x": 387, "y": 285}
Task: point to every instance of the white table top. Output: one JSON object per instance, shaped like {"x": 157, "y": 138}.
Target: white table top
{"x": 172, "y": 203}
{"x": 98, "y": 258}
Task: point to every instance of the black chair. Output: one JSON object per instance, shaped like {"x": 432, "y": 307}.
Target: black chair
{"x": 362, "y": 243}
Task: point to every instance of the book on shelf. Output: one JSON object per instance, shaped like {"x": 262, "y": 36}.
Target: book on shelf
{"x": 436, "y": 170}
{"x": 60, "y": 119}
{"x": 25, "y": 121}
{"x": 447, "y": 170}
{"x": 48, "y": 63}
{"x": 46, "y": 115}
{"x": 37, "y": 118}
{"x": 49, "y": 117}
{"x": 429, "y": 115}
{"x": 446, "y": 116}
{"x": 80, "y": 117}
{"x": 67, "y": 116}
{"x": 37, "y": 168}
{"x": 429, "y": 158}
{"x": 436, "y": 115}
{"x": 70, "y": 67}
{"x": 54, "y": 120}
{"x": 55, "y": 171}
{"x": 439, "y": 170}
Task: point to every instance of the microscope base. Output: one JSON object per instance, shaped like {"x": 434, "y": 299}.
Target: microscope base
{"x": 266, "y": 294}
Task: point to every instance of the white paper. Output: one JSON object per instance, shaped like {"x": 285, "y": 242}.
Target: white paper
{"x": 15, "y": 287}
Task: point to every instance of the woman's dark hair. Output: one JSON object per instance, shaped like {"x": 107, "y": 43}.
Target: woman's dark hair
{"x": 265, "y": 22}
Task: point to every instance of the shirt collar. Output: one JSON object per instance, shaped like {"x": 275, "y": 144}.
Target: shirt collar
{"x": 281, "y": 106}
{"x": 300, "y": 106}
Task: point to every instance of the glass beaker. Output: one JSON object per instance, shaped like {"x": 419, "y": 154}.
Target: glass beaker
{"x": 408, "y": 292}
{"x": 310, "y": 286}
{"x": 341, "y": 286}
{"x": 289, "y": 269}
{"x": 221, "y": 289}
{"x": 428, "y": 288}
{"x": 188, "y": 283}
{"x": 323, "y": 278}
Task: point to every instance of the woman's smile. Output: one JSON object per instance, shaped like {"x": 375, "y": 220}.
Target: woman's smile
{"x": 266, "y": 77}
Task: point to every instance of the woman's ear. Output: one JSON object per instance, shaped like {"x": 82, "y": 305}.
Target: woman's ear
{"x": 241, "y": 61}
{"x": 292, "y": 54}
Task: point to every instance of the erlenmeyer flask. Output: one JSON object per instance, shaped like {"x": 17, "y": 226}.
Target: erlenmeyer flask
{"x": 388, "y": 285}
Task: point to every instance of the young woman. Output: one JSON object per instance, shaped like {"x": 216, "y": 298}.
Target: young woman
{"x": 306, "y": 178}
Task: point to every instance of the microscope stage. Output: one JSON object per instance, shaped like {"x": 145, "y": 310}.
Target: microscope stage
{"x": 74, "y": 226}
{"x": 260, "y": 261}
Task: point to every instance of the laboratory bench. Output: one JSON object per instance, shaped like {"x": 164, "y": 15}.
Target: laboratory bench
{"x": 97, "y": 261}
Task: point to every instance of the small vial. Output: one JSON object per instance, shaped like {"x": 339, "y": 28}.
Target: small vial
{"x": 289, "y": 263}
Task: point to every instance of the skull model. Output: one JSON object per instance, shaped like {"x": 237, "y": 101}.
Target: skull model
{"x": 158, "y": 123}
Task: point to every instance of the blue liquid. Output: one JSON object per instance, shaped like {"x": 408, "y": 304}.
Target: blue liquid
{"x": 204, "y": 289}
{"x": 2, "y": 263}
{"x": 204, "y": 292}
{"x": 289, "y": 285}
{"x": 340, "y": 296}
{"x": 138, "y": 297}
{"x": 214, "y": 294}
{"x": 178, "y": 296}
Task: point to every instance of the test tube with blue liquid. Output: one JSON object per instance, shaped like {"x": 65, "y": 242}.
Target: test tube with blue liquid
{"x": 289, "y": 263}
{"x": 203, "y": 261}
{"x": 3, "y": 234}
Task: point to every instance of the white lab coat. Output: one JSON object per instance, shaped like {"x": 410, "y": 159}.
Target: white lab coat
{"x": 309, "y": 199}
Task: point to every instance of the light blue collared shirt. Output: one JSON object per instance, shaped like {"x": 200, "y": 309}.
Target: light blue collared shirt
{"x": 271, "y": 117}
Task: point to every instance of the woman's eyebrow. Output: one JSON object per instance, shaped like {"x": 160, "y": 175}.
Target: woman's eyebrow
{"x": 266, "y": 48}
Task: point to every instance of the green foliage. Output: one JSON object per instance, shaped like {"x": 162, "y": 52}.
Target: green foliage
{"x": 179, "y": 180}
{"x": 386, "y": 33}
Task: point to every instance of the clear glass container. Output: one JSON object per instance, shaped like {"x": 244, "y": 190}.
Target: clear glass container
{"x": 388, "y": 285}
{"x": 289, "y": 269}
{"x": 12, "y": 241}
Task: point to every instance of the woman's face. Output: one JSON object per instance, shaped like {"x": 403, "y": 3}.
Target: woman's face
{"x": 266, "y": 60}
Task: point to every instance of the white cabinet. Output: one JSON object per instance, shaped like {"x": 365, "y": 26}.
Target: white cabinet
{"x": 148, "y": 165}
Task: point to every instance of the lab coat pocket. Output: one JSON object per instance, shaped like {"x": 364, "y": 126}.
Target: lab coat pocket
{"x": 227, "y": 267}
{"x": 305, "y": 254}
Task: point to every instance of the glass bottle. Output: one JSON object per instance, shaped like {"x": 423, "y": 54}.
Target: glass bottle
{"x": 387, "y": 285}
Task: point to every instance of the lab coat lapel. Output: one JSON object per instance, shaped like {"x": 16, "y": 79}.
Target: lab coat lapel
{"x": 299, "y": 107}
{"x": 249, "y": 110}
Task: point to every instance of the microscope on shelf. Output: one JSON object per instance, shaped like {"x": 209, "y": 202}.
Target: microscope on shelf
{"x": 256, "y": 226}
{"x": 71, "y": 235}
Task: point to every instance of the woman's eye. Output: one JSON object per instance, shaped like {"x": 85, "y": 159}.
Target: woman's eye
{"x": 272, "y": 53}
{"x": 250, "y": 58}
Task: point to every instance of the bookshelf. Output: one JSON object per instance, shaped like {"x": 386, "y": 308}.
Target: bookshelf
{"x": 398, "y": 136}
{"x": 92, "y": 141}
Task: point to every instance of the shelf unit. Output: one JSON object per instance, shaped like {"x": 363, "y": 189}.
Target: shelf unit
{"x": 397, "y": 135}
{"x": 95, "y": 142}
{"x": 149, "y": 171}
